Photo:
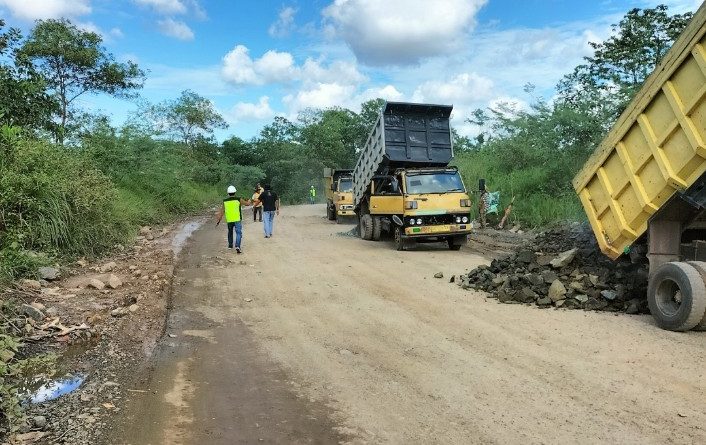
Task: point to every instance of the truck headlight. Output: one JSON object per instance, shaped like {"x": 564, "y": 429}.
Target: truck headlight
{"x": 464, "y": 219}
{"x": 411, "y": 221}
{"x": 340, "y": 207}
{"x": 458, "y": 219}
{"x": 419, "y": 221}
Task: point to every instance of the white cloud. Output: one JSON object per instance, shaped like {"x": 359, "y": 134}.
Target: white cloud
{"x": 248, "y": 112}
{"x": 321, "y": 95}
{"x": 47, "y": 9}
{"x": 284, "y": 24}
{"x": 397, "y": 32}
{"x": 464, "y": 88}
{"x": 166, "y": 7}
{"x": 279, "y": 67}
{"x": 275, "y": 66}
{"x": 388, "y": 92}
{"x": 174, "y": 28}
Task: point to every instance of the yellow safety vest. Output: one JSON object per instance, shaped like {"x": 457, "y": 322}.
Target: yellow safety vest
{"x": 231, "y": 207}
{"x": 312, "y": 192}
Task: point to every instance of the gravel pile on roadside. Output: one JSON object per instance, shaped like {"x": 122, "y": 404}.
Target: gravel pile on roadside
{"x": 563, "y": 267}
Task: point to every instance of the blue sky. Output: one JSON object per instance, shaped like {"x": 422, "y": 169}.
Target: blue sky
{"x": 258, "y": 59}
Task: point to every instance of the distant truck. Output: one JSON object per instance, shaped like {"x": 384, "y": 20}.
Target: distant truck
{"x": 338, "y": 185}
{"x": 402, "y": 184}
{"x": 644, "y": 188}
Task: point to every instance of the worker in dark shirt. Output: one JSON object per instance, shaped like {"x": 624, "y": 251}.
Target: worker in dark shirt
{"x": 232, "y": 210}
{"x": 270, "y": 207}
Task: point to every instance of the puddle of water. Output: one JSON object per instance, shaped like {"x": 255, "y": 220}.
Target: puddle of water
{"x": 55, "y": 389}
{"x": 183, "y": 235}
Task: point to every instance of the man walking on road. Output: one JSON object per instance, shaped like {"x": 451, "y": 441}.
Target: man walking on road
{"x": 257, "y": 206}
{"x": 232, "y": 210}
{"x": 312, "y": 195}
{"x": 270, "y": 206}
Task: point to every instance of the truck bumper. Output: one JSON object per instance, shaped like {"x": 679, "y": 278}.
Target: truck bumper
{"x": 438, "y": 231}
{"x": 345, "y": 213}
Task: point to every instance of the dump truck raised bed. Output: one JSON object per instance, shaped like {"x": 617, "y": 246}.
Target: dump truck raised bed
{"x": 338, "y": 185}
{"x": 644, "y": 188}
{"x": 402, "y": 184}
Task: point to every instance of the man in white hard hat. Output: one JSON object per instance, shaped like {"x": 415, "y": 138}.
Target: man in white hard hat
{"x": 232, "y": 210}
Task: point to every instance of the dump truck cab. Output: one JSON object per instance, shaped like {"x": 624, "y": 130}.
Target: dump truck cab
{"x": 402, "y": 184}
{"x": 338, "y": 184}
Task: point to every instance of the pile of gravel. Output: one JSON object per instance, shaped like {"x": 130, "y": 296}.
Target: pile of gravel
{"x": 563, "y": 267}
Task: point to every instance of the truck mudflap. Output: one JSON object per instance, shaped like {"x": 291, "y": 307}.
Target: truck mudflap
{"x": 440, "y": 230}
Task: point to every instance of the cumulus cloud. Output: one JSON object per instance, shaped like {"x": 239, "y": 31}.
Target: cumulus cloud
{"x": 463, "y": 88}
{"x": 174, "y": 28}
{"x": 47, "y": 9}
{"x": 279, "y": 67}
{"x": 248, "y": 112}
{"x": 321, "y": 95}
{"x": 398, "y": 32}
{"x": 284, "y": 24}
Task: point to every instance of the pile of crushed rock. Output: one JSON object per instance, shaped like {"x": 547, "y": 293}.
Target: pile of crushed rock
{"x": 563, "y": 267}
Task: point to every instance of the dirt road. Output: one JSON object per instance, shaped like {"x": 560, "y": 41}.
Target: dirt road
{"x": 312, "y": 337}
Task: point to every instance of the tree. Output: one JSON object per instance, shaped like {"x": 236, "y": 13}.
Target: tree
{"x": 620, "y": 64}
{"x": 332, "y": 137}
{"x": 74, "y": 63}
{"x": 185, "y": 118}
{"x": 240, "y": 152}
{"x": 23, "y": 98}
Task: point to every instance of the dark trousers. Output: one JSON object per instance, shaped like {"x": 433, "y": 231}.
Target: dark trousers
{"x": 238, "y": 226}
{"x": 255, "y": 211}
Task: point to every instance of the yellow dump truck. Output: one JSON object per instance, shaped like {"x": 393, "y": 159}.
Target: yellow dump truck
{"x": 644, "y": 188}
{"x": 402, "y": 185}
{"x": 338, "y": 185}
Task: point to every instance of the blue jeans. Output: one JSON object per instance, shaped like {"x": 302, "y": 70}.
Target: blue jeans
{"x": 238, "y": 226}
{"x": 269, "y": 222}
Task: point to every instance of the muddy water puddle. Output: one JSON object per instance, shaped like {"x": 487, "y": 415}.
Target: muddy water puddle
{"x": 183, "y": 235}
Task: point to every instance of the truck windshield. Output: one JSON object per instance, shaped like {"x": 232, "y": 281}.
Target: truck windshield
{"x": 434, "y": 182}
{"x": 345, "y": 185}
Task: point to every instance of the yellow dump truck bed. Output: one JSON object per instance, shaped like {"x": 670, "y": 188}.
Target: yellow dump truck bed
{"x": 656, "y": 148}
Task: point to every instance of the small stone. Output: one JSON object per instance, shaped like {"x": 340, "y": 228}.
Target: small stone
{"x": 95, "y": 283}
{"x": 546, "y": 301}
{"x": 527, "y": 295}
{"x": 594, "y": 304}
{"x": 500, "y": 279}
{"x": 119, "y": 312}
{"x": 575, "y": 285}
{"x": 559, "y": 303}
{"x": 30, "y": 284}
{"x": 133, "y": 307}
{"x": 114, "y": 282}
{"x": 581, "y": 298}
{"x": 82, "y": 263}
{"x": 534, "y": 279}
{"x": 149, "y": 237}
{"x": 248, "y": 300}
{"x": 557, "y": 291}
{"x": 609, "y": 294}
{"x": 32, "y": 312}
{"x": 48, "y": 273}
{"x": 439, "y": 275}
{"x": 145, "y": 230}
{"x": 172, "y": 335}
{"x": 132, "y": 267}
{"x": 549, "y": 276}
{"x": 526, "y": 256}
{"x": 39, "y": 421}
{"x": 108, "y": 267}
{"x": 593, "y": 279}
{"x": 564, "y": 258}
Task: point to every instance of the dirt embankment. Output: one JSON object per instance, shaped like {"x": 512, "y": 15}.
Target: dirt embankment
{"x": 102, "y": 320}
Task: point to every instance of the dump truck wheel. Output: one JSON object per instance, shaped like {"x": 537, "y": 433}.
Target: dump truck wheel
{"x": 330, "y": 214}
{"x": 400, "y": 243}
{"x": 700, "y": 267}
{"x": 453, "y": 243}
{"x": 676, "y": 295}
{"x": 377, "y": 228}
{"x": 366, "y": 227}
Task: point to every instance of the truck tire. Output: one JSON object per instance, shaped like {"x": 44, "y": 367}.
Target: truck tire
{"x": 330, "y": 212}
{"x": 454, "y": 242}
{"x": 676, "y": 295}
{"x": 366, "y": 227}
{"x": 400, "y": 242}
{"x": 377, "y": 228}
{"x": 700, "y": 267}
